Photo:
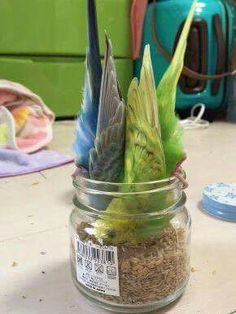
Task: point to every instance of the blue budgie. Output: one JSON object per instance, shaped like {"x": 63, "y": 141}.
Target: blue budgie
{"x": 87, "y": 121}
{"x": 107, "y": 157}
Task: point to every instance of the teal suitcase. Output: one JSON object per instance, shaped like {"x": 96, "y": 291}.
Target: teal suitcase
{"x": 209, "y": 47}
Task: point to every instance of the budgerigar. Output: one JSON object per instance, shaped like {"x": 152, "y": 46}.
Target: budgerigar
{"x": 144, "y": 155}
{"x": 107, "y": 157}
{"x": 87, "y": 120}
{"x": 171, "y": 131}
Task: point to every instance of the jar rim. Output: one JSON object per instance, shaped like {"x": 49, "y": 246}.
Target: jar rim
{"x": 155, "y": 186}
{"x": 121, "y": 183}
{"x": 88, "y": 190}
{"x": 95, "y": 213}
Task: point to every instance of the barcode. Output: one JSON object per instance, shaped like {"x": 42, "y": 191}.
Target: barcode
{"x": 95, "y": 254}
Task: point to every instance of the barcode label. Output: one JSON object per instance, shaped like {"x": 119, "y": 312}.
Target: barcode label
{"x": 97, "y": 267}
{"x": 98, "y": 255}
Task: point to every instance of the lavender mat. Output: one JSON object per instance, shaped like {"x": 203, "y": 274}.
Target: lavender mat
{"x": 14, "y": 163}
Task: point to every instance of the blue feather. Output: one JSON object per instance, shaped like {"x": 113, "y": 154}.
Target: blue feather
{"x": 87, "y": 120}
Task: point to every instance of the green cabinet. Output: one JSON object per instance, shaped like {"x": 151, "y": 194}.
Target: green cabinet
{"x": 59, "y": 27}
{"x": 59, "y": 81}
{"x": 43, "y": 46}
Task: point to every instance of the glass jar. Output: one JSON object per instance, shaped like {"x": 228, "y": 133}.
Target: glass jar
{"x": 130, "y": 243}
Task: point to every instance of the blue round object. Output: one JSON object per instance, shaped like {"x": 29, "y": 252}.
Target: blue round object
{"x": 219, "y": 200}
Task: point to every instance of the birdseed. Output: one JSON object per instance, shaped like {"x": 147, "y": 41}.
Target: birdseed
{"x": 149, "y": 271}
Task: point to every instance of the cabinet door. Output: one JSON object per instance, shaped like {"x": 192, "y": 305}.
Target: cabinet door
{"x": 59, "y": 81}
{"x": 58, "y": 27}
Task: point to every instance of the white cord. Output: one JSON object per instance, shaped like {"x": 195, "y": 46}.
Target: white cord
{"x": 195, "y": 122}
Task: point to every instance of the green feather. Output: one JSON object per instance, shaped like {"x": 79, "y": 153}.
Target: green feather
{"x": 144, "y": 155}
{"x": 172, "y": 134}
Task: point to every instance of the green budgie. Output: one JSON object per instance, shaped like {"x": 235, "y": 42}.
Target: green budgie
{"x": 144, "y": 148}
{"x": 153, "y": 149}
{"x": 171, "y": 132}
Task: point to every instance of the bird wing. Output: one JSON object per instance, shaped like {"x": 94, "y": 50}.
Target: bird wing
{"x": 172, "y": 133}
{"x": 107, "y": 157}
{"x": 144, "y": 155}
{"x": 87, "y": 120}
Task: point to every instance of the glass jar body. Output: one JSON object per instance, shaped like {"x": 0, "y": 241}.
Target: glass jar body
{"x": 130, "y": 263}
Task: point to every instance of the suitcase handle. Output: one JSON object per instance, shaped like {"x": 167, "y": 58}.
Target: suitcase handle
{"x": 186, "y": 71}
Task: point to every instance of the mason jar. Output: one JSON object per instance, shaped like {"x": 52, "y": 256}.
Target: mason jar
{"x": 130, "y": 243}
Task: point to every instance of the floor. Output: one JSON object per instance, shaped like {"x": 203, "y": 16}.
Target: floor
{"x": 34, "y": 243}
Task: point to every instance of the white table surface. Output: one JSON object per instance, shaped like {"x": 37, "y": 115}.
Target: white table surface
{"x": 34, "y": 211}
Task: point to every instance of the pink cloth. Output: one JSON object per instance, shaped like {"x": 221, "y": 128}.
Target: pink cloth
{"x": 24, "y": 119}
